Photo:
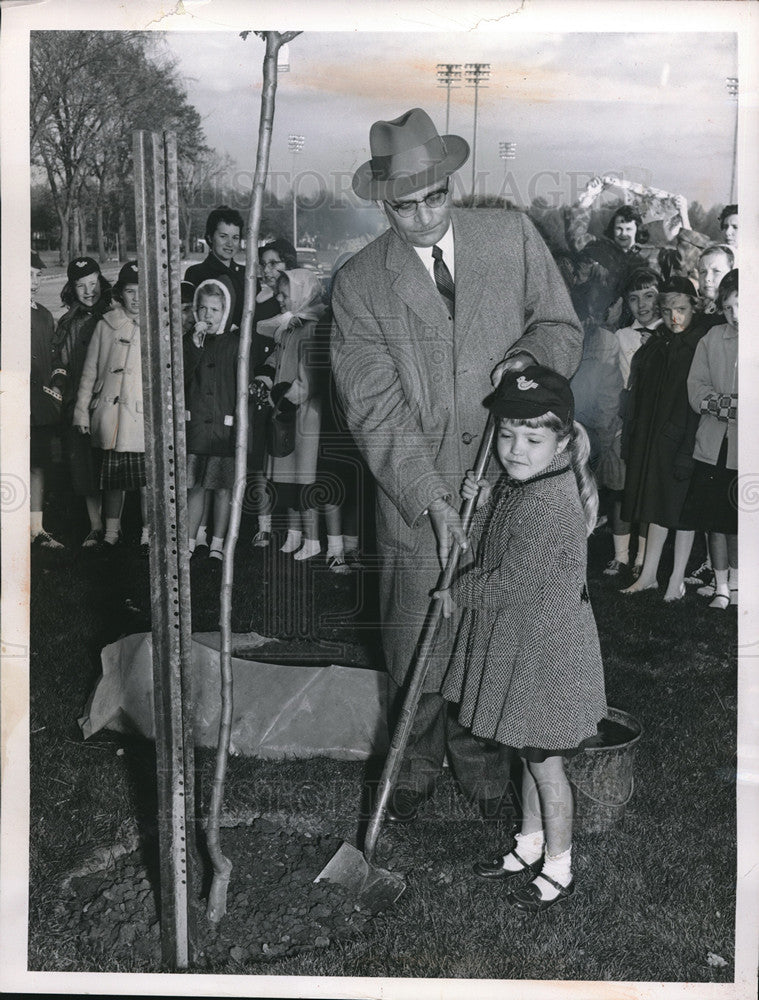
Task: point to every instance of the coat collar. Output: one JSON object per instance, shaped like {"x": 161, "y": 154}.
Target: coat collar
{"x": 412, "y": 283}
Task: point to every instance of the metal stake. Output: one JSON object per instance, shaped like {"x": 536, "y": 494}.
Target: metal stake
{"x": 157, "y": 213}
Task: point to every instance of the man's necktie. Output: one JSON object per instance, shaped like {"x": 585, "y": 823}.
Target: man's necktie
{"x": 443, "y": 280}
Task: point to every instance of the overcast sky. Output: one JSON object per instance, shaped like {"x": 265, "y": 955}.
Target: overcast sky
{"x": 653, "y": 107}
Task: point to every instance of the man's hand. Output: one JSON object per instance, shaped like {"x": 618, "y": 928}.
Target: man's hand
{"x": 513, "y": 364}
{"x": 446, "y": 524}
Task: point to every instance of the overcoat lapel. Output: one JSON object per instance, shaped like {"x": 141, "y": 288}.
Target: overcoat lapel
{"x": 413, "y": 285}
{"x": 472, "y": 266}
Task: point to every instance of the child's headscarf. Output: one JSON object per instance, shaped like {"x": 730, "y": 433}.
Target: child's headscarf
{"x": 223, "y": 286}
{"x": 305, "y": 294}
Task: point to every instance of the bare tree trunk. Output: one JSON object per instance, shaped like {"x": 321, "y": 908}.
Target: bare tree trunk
{"x": 64, "y": 244}
{"x": 100, "y": 233}
{"x": 222, "y": 867}
{"x": 123, "y": 252}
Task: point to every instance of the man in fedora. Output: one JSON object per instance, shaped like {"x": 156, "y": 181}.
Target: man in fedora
{"x": 427, "y": 318}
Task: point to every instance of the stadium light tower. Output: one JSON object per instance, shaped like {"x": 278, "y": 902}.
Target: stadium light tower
{"x": 448, "y": 75}
{"x": 476, "y": 76}
{"x": 295, "y": 144}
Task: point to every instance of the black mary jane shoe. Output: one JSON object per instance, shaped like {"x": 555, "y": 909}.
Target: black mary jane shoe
{"x": 494, "y": 869}
{"x": 528, "y": 899}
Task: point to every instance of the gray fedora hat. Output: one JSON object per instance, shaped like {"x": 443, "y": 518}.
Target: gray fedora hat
{"x": 408, "y": 155}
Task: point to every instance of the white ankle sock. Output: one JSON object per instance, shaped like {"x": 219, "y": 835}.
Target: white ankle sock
{"x": 201, "y": 538}
{"x": 622, "y": 548}
{"x": 292, "y": 542}
{"x": 721, "y": 585}
{"x": 559, "y": 868}
{"x": 191, "y": 545}
{"x": 335, "y": 546}
{"x": 732, "y": 577}
{"x": 529, "y": 847}
{"x": 264, "y": 522}
{"x": 309, "y": 548}
{"x": 217, "y": 546}
{"x": 35, "y": 522}
{"x": 144, "y": 536}
{"x": 112, "y": 527}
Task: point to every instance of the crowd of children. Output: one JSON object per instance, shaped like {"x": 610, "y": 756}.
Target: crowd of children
{"x": 662, "y": 461}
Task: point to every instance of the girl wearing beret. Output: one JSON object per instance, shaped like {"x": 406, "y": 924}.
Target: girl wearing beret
{"x": 526, "y": 668}
{"x": 87, "y": 293}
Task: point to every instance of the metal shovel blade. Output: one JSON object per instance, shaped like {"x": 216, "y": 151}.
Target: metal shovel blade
{"x": 374, "y": 888}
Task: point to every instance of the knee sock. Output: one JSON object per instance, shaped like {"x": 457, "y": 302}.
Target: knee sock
{"x": 217, "y": 545}
{"x": 335, "y": 546}
{"x": 112, "y": 528}
{"x": 559, "y": 868}
{"x": 529, "y": 847}
{"x": 292, "y": 542}
{"x": 35, "y": 522}
{"x": 622, "y": 548}
{"x": 309, "y": 548}
{"x": 640, "y": 555}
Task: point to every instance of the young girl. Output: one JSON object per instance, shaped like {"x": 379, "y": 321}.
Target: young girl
{"x": 526, "y": 668}
{"x": 294, "y": 387}
{"x": 88, "y": 295}
{"x": 713, "y": 393}
{"x": 659, "y": 435}
{"x": 210, "y": 371}
{"x": 109, "y": 403}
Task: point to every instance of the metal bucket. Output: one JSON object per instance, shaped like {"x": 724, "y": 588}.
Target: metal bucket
{"x": 602, "y": 776}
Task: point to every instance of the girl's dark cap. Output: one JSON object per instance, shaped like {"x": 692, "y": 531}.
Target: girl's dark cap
{"x": 187, "y": 290}
{"x": 80, "y": 267}
{"x": 678, "y": 285}
{"x": 532, "y": 392}
{"x": 128, "y": 274}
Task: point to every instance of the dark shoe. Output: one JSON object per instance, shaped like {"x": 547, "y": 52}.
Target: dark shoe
{"x": 529, "y": 900}
{"x": 198, "y": 553}
{"x": 43, "y": 540}
{"x": 261, "y": 540}
{"x": 404, "y": 804}
{"x": 494, "y": 869}
{"x": 94, "y": 540}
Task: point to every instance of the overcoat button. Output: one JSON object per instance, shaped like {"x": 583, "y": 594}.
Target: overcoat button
{"x": 467, "y": 438}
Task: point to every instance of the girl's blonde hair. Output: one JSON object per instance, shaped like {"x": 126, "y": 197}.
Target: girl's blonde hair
{"x": 578, "y": 450}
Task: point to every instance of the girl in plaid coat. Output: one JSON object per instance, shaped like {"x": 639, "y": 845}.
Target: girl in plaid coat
{"x": 526, "y": 668}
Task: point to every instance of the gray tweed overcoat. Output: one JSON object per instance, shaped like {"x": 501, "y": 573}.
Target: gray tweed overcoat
{"x": 526, "y": 666}
{"x": 412, "y": 382}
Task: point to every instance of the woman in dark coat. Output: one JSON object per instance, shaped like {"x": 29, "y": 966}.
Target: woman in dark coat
{"x": 659, "y": 435}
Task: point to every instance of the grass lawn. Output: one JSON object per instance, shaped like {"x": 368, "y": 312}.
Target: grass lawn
{"x": 654, "y": 896}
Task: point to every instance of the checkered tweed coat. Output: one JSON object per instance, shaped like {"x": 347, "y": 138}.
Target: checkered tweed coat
{"x": 526, "y": 666}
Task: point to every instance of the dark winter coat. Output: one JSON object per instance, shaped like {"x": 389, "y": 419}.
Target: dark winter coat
{"x": 45, "y": 408}
{"x": 659, "y": 429}
{"x": 210, "y": 380}
{"x": 526, "y": 667}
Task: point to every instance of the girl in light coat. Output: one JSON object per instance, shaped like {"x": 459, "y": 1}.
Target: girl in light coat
{"x": 109, "y": 404}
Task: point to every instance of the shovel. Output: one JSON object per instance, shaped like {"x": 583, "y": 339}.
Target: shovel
{"x": 377, "y": 887}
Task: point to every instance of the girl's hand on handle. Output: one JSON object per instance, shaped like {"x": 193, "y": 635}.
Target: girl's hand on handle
{"x": 479, "y": 488}
{"x": 445, "y": 597}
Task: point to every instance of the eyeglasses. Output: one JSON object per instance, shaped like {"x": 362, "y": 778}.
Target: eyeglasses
{"x": 408, "y": 208}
